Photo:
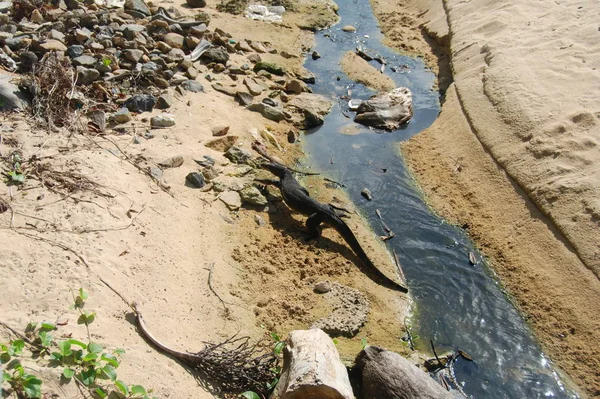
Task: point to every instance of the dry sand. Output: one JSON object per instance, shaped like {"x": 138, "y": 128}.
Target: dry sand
{"x": 514, "y": 155}
{"x": 160, "y": 250}
{"x": 361, "y": 71}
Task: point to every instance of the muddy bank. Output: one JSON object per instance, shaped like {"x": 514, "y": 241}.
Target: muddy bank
{"x": 472, "y": 170}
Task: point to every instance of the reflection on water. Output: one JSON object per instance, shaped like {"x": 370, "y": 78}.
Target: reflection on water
{"x": 457, "y": 305}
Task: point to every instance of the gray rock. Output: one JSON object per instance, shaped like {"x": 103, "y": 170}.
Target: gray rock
{"x": 308, "y": 110}
{"x": 269, "y": 67}
{"x": 86, "y": 76}
{"x": 222, "y": 89}
{"x": 270, "y": 101}
{"x": 122, "y": 116}
{"x": 85, "y": 60}
{"x": 82, "y": 35}
{"x": 195, "y": 180}
{"x": 365, "y": 192}
{"x": 175, "y": 55}
{"x": 98, "y": 118}
{"x": 323, "y": 287}
{"x": 386, "y": 110}
{"x": 192, "y": 85}
{"x": 173, "y": 162}
{"x": 253, "y": 87}
{"x": 174, "y": 40}
{"x": 149, "y": 67}
{"x": 140, "y": 103}
{"x": 196, "y": 3}
{"x": 164, "y": 120}
{"x": 178, "y": 79}
{"x": 315, "y": 55}
{"x": 165, "y": 101}
{"x": 210, "y": 173}
{"x": 138, "y": 6}
{"x": 232, "y": 199}
{"x": 217, "y": 54}
{"x": 269, "y": 112}
{"x": 28, "y": 59}
{"x": 10, "y": 96}
{"x": 75, "y": 50}
{"x": 237, "y": 155}
{"x": 219, "y": 131}
{"x": 5, "y": 6}
{"x": 349, "y": 314}
{"x": 296, "y": 86}
{"x": 243, "y": 98}
{"x": 251, "y": 195}
{"x": 385, "y": 374}
{"x": 131, "y": 31}
{"x": 155, "y": 172}
{"x": 259, "y": 220}
{"x": 56, "y": 35}
{"x": 132, "y": 55}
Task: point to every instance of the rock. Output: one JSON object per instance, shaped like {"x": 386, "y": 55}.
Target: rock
{"x": 296, "y": 86}
{"x": 385, "y": 374}
{"x": 132, "y": 55}
{"x": 221, "y": 144}
{"x": 196, "y": 3}
{"x": 164, "y": 47}
{"x": 306, "y": 76}
{"x": 82, "y": 35}
{"x": 155, "y": 172}
{"x": 349, "y": 314}
{"x": 253, "y": 87}
{"x": 75, "y": 50}
{"x": 222, "y": 89}
{"x": 365, "y": 192}
{"x": 237, "y": 155}
{"x": 164, "y": 120}
{"x": 240, "y": 172}
{"x": 217, "y": 54}
{"x": 243, "y": 98}
{"x": 308, "y": 110}
{"x": 270, "y": 101}
{"x": 251, "y": 195}
{"x": 178, "y": 79}
{"x": 131, "y": 31}
{"x": 312, "y": 368}
{"x": 272, "y": 113}
{"x": 232, "y": 199}
{"x": 174, "y": 40}
{"x": 219, "y": 131}
{"x": 28, "y": 59}
{"x": 192, "y": 73}
{"x": 192, "y": 85}
{"x": 349, "y": 28}
{"x": 53, "y": 45}
{"x": 207, "y": 161}
{"x": 122, "y": 116}
{"x": 210, "y": 173}
{"x": 292, "y": 136}
{"x": 269, "y": 67}
{"x": 259, "y": 220}
{"x": 322, "y": 287}
{"x": 254, "y": 58}
{"x": 386, "y": 110}
{"x": 138, "y": 6}
{"x": 173, "y": 162}
{"x": 36, "y": 17}
{"x": 85, "y": 60}
{"x": 194, "y": 180}
{"x": 86, "y": 76}
{"x": 56, "y": 35}
{"x": 140, "y": 103}
{"x": 315, "y": 55}
{"x": 165, "y": 101}
{"x": 11, "y": 97}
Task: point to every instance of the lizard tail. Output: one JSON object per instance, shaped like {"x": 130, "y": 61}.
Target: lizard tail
{"x": 351, "y": 240}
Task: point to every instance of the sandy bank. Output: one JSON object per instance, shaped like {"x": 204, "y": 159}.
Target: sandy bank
{"x": 517, "y": 135}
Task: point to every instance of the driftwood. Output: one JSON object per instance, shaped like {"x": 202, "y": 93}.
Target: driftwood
{"x": 312, "y": 368}
{"x": 232, "y": 366}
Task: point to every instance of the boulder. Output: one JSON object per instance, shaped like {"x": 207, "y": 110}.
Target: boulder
{"x": 308, "y": 110}
{"x": 386, "y": 110}
{"x": 386, "y": 374}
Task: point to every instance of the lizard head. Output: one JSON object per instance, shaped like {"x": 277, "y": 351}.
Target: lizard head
{"x": 275, "y": 168}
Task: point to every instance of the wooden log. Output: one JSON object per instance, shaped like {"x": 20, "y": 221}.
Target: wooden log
{"x": 312, "y": 369}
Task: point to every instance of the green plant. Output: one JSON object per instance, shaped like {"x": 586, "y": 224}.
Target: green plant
{"x": 14, "y": 176}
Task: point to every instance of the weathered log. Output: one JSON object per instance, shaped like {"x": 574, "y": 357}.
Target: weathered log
{"x": 387, "y": 375}
{"x": 312, "y": 369}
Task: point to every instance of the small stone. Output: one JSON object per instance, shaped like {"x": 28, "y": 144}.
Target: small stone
{"x": 270, "y": 101}
{"x": 85, "y": 60}
{"x": 131, "y": 31}
{"x": 349, "y": 28}
{"x": 367, "y": 194}
{"x": 240, "y": 172}
{"x": 86, "y": 76}
{"x": 219, "y": 131}
{"x": 174, "y": 40}
{"x": 295, "y": 86}
{"x": 155, "y": 172}
{"x": 132, "y": 55}
{"x": 141, "y": 103}
{"x": 222, "y": 89}
{"x": 165, "y": 101}
{"x": 269, "y": 112}
{"x": 243, "y": 98}
{"x": 192, "y": 85}
{"x": 122, "y": 116}
{"x": 137, "y": 6}
{"x": 251, "y": 195}
{"x": 237, "y": 155}
{"x": 53, "y": 45}
{"x": 254, "y": 58}
{"x": 175, "y": 55}
{"x": 232, "y": 199}
{"x": 196, "y": 3}
{"x": 192, "y": 73}
{"x": 217, "y": 54}
{"x": 269, "y": 67}
{"x": 163, "y": 47}
{"x": 206, "y": 162}
{"x": 292, "y": 136}
{"x": 315, "y": 55}
{"x": 82, "y": 35}
{"x": 56, "y": 35}
{"x": 198, "y": 31}
{"x": 178, "y": 79}
{"x": 161, "y": 121}
{"x": 195, "y": 180}
{"x": 253, "y": 87}
{"x": 173, "y": 162}
{"x": 36, "y": 16}
{"x": 259, "y": 220}
{"x": 323, "y": 287}
{"x": 221, "y": 144}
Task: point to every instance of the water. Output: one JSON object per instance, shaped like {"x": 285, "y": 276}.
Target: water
{"x": 456, "y": 305}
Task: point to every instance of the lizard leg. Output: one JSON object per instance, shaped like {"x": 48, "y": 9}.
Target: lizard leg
{"x": 312, "y": 224}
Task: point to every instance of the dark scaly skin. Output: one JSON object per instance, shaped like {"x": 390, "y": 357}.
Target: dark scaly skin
{"x": 298, "y": 199}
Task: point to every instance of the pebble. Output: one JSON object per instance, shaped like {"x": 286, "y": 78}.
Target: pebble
{"x": 174, "y": 40}
{"x": 322, "y": 287}
{"x": 86, "y": 76}
{"x": 195, "y": 180}
{"x": 140, "y": 103}
{"x": 161, "y": 121}
{"x": 349, "y": 28}
{"x": 232, "y": 199}
{"x": 259, "y": 220}
{"x": 53, "y": 45}
{"x": 173, "y": 162}
{"x": 122, "y": 116}
{"x": 192, "y": 85}
{"x": 165, "y": 101}
{"x": 251, "y": 195}
{"x": 367, "y": 194}
{"x": 196, "y": 3}
{"x": 219, "y": 131}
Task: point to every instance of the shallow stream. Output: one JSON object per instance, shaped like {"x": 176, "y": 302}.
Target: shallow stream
{"x": 457, "y": 305}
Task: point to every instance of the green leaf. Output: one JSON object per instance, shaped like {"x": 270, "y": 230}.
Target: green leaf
{"x": 122, "y": 387}
{"x": 65, "y": 348}
{"x": 17, "y": 345}
{"x": 275, "y": 337}
{"x": 83, "y": 294}
{"x": 86, "y": 318}
{"x": 95, "y": 348}
{"x": 33, "y": 387}
{"x": 5, "y": 376}
{"x": 250, "y": 395}
{"x": 119, "y": 351}
{"x": 68, "y": 373}
{"x": 46, "y": 339}
{"x": 139, "y": 390}
{"x": 335, "y": 341}
{"x": 278, "y": 347}
{"x": 272, "y": 384}
{"x": 31, "y": 326}
{"x": 47, "y": 327}
{"x": 101, "y": 392}
{"x": 363, "y": 343}
{"x": 109, "y": 372}
{"x": 88, "y": 376}
{"x": 111, "y": 359}
{"x": 56, "y": 356}
{"x": 78, "y": 343}
{"x": 90, "y": 357}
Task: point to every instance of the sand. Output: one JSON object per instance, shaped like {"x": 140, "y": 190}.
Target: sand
{"x": 361, "y": 71}
{"x": 514, "y": 155}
